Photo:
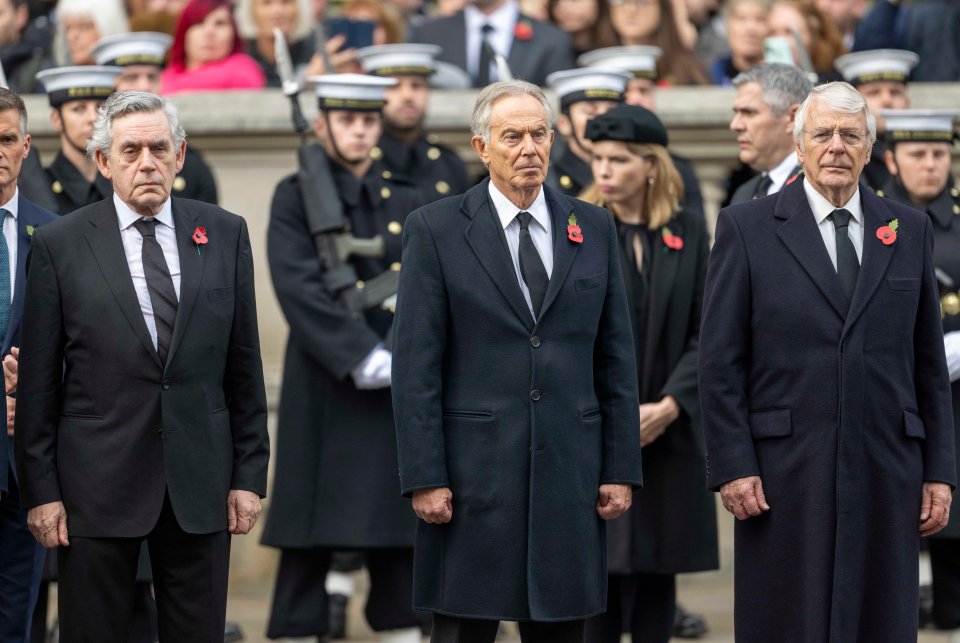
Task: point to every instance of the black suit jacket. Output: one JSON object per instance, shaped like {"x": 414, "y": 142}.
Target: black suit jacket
{"x": 547, "y": 50}
{"x": 30, "y": 216}
{"x": 522, "y": 420}
{"x": 102, "y": 424}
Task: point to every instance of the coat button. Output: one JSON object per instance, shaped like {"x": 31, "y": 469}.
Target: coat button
{"x": 166, "y": 385}
{"x": 535, "y": 341}
{"x": 535, "y": 395}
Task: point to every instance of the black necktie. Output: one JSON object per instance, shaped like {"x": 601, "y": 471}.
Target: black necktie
{"x": 163, "y": 297}
{"x": 763, "y": 186}
{"x": 848, "y": 266}
{"x": 531, "y": 266}
{"x": 486, "y": 57}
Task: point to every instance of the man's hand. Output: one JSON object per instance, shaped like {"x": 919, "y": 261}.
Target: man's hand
{"x": 243, "y": 507}
{"x": 934, "y": 507}
{"x": 656, "y": 417}
{"x": 434, "y": 506}
{"x": 744, "y": 497}
{"x": 613, "y": 500}
{"x": 10, "y": 370}
{"x": 48, "y": 524}
{"x": 11, "y": 413}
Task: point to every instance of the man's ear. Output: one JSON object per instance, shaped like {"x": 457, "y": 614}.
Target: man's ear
{"x": 102, "y": 165}
{"x": 56, "y": 120}
{"x": 320, "y": 126}
{"x": 181, "y": 155}
{"x": 564, "y": 126}
{"x": 792, "y": 113}
{"x": 890, "y": 162}
{"x": 480, "y": 148}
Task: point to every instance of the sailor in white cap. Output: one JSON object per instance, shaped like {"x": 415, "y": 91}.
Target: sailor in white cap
{"x": 75, "y": 94}
{"x": 641, "y": 62}
{"x": 408, "y": 152}
{"x": 142, "y": 55}
{"x": 583, "y": 94}
{"x": 918, "y": 156}
{"x": 335, "y": 487}
{"x": 881, "y": 76}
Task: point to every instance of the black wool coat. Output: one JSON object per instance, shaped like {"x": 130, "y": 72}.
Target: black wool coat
{"x": 843, "y": 412}
{"x": 522, "y": 420}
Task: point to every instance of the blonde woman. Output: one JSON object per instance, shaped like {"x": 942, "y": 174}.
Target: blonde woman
{"x": 671, "y": 527}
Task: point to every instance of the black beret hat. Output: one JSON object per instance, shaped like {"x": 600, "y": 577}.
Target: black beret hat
{"x": 627, "y": 123}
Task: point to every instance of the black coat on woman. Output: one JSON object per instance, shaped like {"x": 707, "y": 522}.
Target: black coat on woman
{"x": 672, "y": 525}
{"x": 336, "y": 482}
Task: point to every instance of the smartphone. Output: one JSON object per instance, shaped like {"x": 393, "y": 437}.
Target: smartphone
{"x": 776, "y": 49}
{"x": 359, "y": 33}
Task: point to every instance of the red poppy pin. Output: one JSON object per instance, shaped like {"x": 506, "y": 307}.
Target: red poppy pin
{"x": 670, "y": 240}
{"x": 523, "y": 30}
{"x": 200, "y": 237}
{"x": 888, "y": 233}
{"x": 574, "y": 233}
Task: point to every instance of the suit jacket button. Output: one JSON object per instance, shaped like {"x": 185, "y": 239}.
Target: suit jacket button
{"x": 166, "y": 385}
{"x": 535, "y": 395}
{"x": 535, "y": 341}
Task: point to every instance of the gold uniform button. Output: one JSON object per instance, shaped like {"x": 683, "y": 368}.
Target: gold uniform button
{"x": 951, "y": 304}
{"x": 566, "y": 182}
{"x": 433, "y": 139}
{"x": 442, "y": 187}
{"x": 433, "y": 153}
{"x": 384, "y": 192}
{"x": 57, "y": 187}
{"x": 954, "y": 192}
{"x": 376, "y": 153}
{"x": 387, "y": 174}
{"x": 394, "y": 227}
{"x": 360, "y": 285}
{"x": 956, "y": 208}
{"x": 395, "y": 266}
{"x": 179, "y": 183}
{"x": 880, "y": 193}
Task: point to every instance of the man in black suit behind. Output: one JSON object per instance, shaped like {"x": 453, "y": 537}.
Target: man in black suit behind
{"x": 142, "y": 412}
{"x": 515, "y": 390}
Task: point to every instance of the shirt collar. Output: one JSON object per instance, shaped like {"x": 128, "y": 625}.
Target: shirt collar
{"x": 128, "y": 217}
{"x": 782, "y": 172}
{"x": 12, "y": 206}
{"x": 507, "y": 211}
{"x": 502, "y": 20}
{"x": 823, "y": 208}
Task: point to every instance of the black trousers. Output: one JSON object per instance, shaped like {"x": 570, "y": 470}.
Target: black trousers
{"x": 98, "y": 576}
{"x": 945, "y": 565}
{"x": 21, "y": 562}
{"x": 450, "y": 629}
{"x": 642, "y": 604}
{"x": 300, "y": 597}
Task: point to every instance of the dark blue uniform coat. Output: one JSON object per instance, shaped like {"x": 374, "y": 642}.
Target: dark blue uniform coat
{"x": 843, "y": 413}
{"x": 523, "y": 421}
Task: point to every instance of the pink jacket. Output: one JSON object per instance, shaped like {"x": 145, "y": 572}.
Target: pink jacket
{"x": 236, "y": 71}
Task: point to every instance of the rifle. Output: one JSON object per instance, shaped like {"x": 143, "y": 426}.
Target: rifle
{"x": 325, "y": 219}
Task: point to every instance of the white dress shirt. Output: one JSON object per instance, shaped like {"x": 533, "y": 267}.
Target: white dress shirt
{"x": 823, "y": 208}
{"x": 541, "y": 232}
{"x": 780, "y": 174}
{"x": 133, "y": 249}
{"x": 10, "y": 236}
{"x": 503, "y": 21}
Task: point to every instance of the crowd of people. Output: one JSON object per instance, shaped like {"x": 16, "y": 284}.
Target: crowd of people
{"x": 409, "y": 352}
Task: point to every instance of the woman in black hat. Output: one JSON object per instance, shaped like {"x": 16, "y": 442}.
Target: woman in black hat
{"x": 671, "y": 527}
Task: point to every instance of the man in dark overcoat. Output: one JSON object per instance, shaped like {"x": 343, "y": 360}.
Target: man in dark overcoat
{"x": 825, "y": 394}
{"x": 515, "y": 390}
{"x": 336, "y": 484}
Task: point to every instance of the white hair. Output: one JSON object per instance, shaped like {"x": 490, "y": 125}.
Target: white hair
{"x": 483, "y": 110}
{"x": 839, "y": 97}
{"x": 130, "y": 102}
{"x": 248, "y": 28}
{"x": 109, "y": 16}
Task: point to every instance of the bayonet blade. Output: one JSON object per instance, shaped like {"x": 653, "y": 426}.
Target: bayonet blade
{"x": 284, "y": 65}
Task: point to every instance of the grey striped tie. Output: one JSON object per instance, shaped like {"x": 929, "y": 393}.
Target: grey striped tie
{"x": 163, "y": 296}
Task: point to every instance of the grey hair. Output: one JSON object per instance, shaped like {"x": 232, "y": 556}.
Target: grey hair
{"x": 782, "y": 85}
{"x": 482, "y": 111}
{"x": 839, "y": 97}
{"x": 109, "y": 16}
{"x": 248, "y": 28}
{"x": 130, "y": 102}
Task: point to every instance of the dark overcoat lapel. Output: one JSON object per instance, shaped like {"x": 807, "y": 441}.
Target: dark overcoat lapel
{"x": 876, "y": 256}
{"x": 564, "y": 250}
{"x": 664, "y": 265}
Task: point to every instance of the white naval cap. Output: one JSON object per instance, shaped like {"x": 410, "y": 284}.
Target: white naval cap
{"x": 920, "y": 124}
{"x": 876, "y": 65}
{"x": 354, "y": 92}
{"x": 588, "y": 83}
{"x": 135, "y": 48}
{"x": 65, "y": 84}
{"x": 410, "y": 59}
{"x": 639, "y": 60}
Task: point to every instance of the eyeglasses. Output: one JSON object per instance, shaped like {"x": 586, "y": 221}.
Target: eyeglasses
{"x": 635, "y": 3}
{"x": 847, "y": 136}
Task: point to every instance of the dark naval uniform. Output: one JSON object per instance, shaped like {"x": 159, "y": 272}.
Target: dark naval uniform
{"x": 195, "y": 180}
{"x": 944, "y": 212}
{"x": 336, "y": 484}
{"x": 875, "y": 172}
{"x": 71, "y": 190}
{"x": 437, "y": 171}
